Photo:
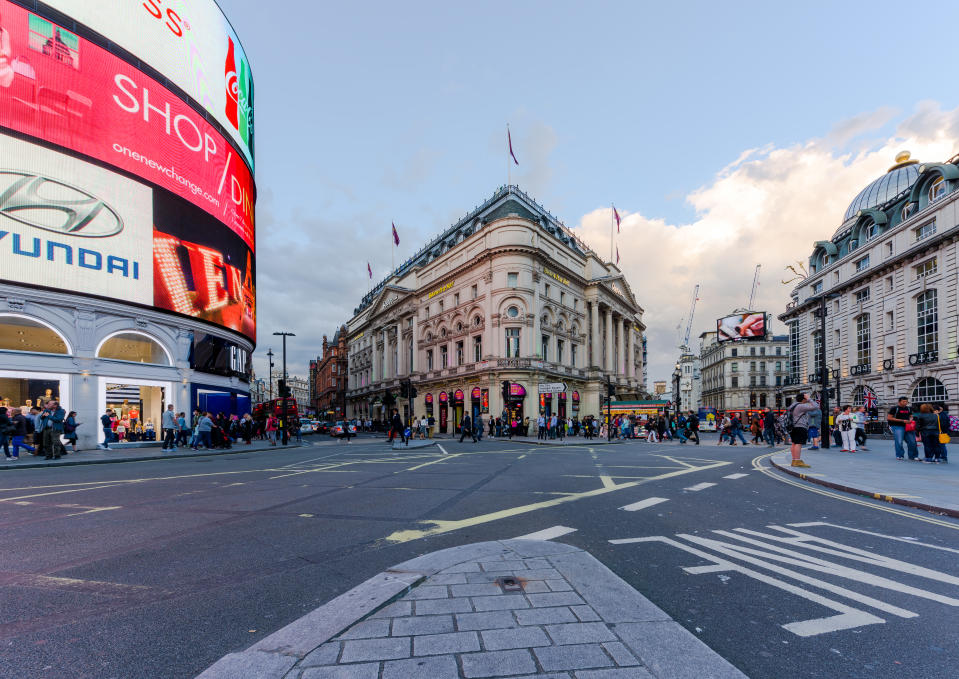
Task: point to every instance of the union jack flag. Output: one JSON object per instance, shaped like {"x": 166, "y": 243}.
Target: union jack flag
{"x": 869, "y": 398}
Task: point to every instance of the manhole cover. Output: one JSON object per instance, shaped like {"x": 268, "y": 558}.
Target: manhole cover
{"x": 510, "y": 584}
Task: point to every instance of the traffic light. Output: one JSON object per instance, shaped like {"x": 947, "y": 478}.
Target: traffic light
{"x": 283, "y": 391}
{"x": 610, "y": 388}
{"x": 404, "y": 390}
{"x": 412, "y": 391}
{"x": 505, "y": 391}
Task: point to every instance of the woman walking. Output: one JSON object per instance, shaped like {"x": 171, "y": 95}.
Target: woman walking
{"x": 929, "y": 431}
{"x": 846, "y": 422}
{"x": 70, "y": 429}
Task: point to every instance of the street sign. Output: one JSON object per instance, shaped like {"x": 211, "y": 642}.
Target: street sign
{"x": 552, "y": 387}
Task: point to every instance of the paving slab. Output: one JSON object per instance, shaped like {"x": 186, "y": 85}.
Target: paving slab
{"x": 404, "y": 624}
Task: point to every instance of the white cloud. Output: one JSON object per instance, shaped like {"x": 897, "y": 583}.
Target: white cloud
{"x": 767, "y": 207}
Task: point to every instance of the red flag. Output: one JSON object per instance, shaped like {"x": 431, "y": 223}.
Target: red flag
{"x": 396, "y": 236}
{"x": 617, "y": 255}
{"x": 616, "y": 215}
{"x": 370, "y": 269}
{"x": 509, "y": 141}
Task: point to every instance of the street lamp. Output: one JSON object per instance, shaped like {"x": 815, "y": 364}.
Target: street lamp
{"x": 270, "y": 385}
{"x": 283, "y": 420}
{"x": 823, "y": 368}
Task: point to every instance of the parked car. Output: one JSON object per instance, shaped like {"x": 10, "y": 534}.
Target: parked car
{"x": 322, "y": 427}
{"x": 338, "y": 430}
{"x": 306, "y": 428}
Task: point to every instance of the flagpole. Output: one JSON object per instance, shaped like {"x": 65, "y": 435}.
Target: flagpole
{"x": 509, "y": 168}
{"x": 611, "y": 233}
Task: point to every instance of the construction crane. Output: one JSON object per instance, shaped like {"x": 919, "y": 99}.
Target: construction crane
{"x": 684, "y": 347}
{"x": 752, "y": 293}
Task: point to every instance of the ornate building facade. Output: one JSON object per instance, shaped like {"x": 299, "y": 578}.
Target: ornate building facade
{"x": 328, "y": 376}
{"x": 887, "y": 278}
{"x": 744, "y": 375}
{"x": 507, "y": 294}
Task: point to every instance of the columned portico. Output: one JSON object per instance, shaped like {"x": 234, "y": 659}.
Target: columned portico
{"x": 595, "y": 358}
{"x": 608, "y": 363}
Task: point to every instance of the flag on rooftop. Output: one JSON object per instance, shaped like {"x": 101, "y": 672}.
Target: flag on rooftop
{"x": 396, "y": 236}
{"x": 509, "y": 142}
{"x": 616, "y": 215}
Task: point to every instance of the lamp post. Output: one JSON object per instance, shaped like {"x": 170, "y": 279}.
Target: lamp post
{"x": 824, "y": 369}
{"x": 284, "y": 422}
{"x": 270, "y": 384}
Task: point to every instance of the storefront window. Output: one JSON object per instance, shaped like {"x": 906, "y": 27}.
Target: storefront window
{"x": 27, "y": 393}
{"x": 132, "y": 346}
{"x": 18, "y": 333}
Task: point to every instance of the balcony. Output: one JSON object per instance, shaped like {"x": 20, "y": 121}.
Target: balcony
{"x": 923, "y": 357}
{"x": 861, "y": 369}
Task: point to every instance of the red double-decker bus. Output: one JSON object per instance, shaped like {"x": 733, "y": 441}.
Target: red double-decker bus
{"x": 261, "y": 411}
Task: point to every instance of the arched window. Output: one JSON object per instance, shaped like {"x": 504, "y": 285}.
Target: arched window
{"x": 937, "y": 189}
{"x": 133, "y": 346}
{"x": 930, "y": 390}
{"x": 19, "y": 333}
{"x": 927, "y": 321}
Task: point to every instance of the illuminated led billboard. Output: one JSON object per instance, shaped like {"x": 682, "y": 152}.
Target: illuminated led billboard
{"x": 62, "y": 88}
{"x": 742, "y": 326}
{"x": 188, "y": 41}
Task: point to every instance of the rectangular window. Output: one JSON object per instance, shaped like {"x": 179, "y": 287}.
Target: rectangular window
{"x": 546, "y": 291}
{"x": 512, "y": 342}
{"x": 862, "y": 264}
{"x": 441, "y": 306}
{"x": 925, "y": 230}
{"x": 762, "y": 366}
{"x": 762, "y": 380}
{"x": 752, "y": 366}
{"x": 562, "y": 297}
{"x": 752, "y": 351}
{"x": 889, "y": 321}
{"x": 735, "y": 367}
{"x": 474, "y": 291}
{"x": 459, "y": 353}
{"x": 888, "y": 283}
{"x": 779, "y": 351}
{"x": 889, "y": 249}
{"x": 734, "y": 381}
{"x": 477, "y": 349}
{"x": 572, "y": 355}
{"x": 544, "y": 347}
{"x": 779, "y": 380}
{"x": 862, "y": 295}
{"x": 427, "y": 312}
{"x": 752, "y": 380}
{"x": 735, "y": 352}
{"x": 779, "y": 366}
{"x": 512, "y": 280}
{"x": 444, "y": 357}
{"x": 927, "y": 268}
{"x": 817, "y": 288}
{"x": 927, "y": 316}
{"x": 559, "y": 351}
{"x": 817, "y": 352}
{"x": 762, "y": 351}
{"x": 835, "y": 277}
{"x": 863, "y": 342}
{"x": 456, "y": 299}
{"x": 575, "y": 304}
{"x": 429, "y": 359}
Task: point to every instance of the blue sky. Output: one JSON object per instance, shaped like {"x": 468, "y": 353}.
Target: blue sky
{"x": 372, "y": 112}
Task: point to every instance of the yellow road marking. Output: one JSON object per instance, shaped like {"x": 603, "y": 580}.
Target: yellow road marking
{"x": 607, "y": 481}
{"x": 673, "y": 459}
{"x": 774, "y": 473}
{"x": 427, "y": 464}
{"x": 441, "y": 526}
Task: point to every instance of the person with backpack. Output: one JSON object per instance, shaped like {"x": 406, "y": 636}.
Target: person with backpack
{"x": 70, "y": 430}
{"x": 795, "y": 422}
{"x": 692, "y": 422}
{"x": 20, "y": 424}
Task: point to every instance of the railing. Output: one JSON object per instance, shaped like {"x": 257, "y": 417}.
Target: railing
{"x": 861, "y": 369}
{"x": 923, "y": 357}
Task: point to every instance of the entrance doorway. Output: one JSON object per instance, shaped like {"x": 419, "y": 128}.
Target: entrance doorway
{"x": 458, "y": 407}
{"x": 444, "y": 411}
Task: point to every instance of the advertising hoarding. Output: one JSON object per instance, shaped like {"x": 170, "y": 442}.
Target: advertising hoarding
{"x": 63, "y": 89}
{"x": 743, "y": 326}
{"x": 74, "y": 226}
{"x": 188, "y": 41}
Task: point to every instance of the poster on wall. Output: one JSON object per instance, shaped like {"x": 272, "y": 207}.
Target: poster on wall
{"x": 59, "y": 87}
{"x": 190, "y": 42}
{"x": 72, "y": 225}
{"x": 200, "y": 268}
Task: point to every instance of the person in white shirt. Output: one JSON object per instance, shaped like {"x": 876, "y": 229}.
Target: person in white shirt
{"x": 846, "y": 422}
{"x": 860, "y": 416}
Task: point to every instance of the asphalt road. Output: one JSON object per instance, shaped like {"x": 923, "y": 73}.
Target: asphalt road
{"x": 157, "y": 569}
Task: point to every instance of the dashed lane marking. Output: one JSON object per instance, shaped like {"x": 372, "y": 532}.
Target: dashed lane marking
{"x": 643, "y": 504}
{"x": 700, "y": 486}
{"x": 548, "y": 533}
{"x": 736, "y": 476}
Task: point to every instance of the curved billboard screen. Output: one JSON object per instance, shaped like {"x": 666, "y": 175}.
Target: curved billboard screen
{"x": 743, "y": 326}
{"x": 61, "y": 88}
{"x": 75, "y": 226}
{"x": 188, "y": 41}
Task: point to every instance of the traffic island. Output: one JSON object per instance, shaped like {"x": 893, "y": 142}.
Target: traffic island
{"x": 505, "y": 608}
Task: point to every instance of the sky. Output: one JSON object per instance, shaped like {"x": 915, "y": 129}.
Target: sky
{"x": 727, "y": 135}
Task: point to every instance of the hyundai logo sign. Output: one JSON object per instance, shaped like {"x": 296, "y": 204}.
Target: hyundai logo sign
{"x": 52, "y": 205}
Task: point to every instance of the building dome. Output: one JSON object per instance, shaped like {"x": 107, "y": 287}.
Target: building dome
{"x": 899, "y": 178}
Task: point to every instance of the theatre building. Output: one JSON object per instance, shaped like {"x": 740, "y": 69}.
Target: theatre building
{"x": 887, "y": 281}
{"x": 506, "y": 294}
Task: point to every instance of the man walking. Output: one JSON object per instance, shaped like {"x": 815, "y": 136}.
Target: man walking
{"x": 466, "y": 427}
{"x": 769, "y": 427}
{"x": 899, "y": 417}
{"x": 396, "y": 427}
{"x": 169, "y": 425}
{"x": 860, "y": 417}
{"x": 106, "y": 424}
{"x": 693, "y": 423}
{"x": 799, "y": 412}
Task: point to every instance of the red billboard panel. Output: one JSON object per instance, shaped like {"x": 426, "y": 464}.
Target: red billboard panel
{"x": 56, "y": 86}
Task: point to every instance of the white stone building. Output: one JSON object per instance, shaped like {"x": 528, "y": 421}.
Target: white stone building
{"x": 745, "y": 375}
{"x": 888, "y": 275}
{"x": 690, "y": 382}
{"x": 505, "y": 294}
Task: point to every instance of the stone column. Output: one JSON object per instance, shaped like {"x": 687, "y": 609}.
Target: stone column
{"x": 537, "y": 329}
{"x": 630, "y": 350}
{"x": 386, "y": 354}
{"x": 401, "y": 368}
{"x": 416, "y": 351}
{"x": 620, "y": 346}
{"x": 609, "y": 340}
{"x": 594, "y": 358}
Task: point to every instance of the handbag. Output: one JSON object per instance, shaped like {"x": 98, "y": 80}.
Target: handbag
{"x": 911, "y": 425}
{"x": 943, "y": 438}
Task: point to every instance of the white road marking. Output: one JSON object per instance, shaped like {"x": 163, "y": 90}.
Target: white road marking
{"x": 700, "y": 486}
{"x": 643, "y": 504}
{"x": 736, "y": 476}
{"x": 548, "y": 533}
{"x": 442, "y": 449}
{"x": 911, "y": 541}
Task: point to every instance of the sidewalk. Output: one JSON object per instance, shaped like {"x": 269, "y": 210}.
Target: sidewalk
{"x": 137, "y": 454}
{"x": 876, "y": 473}
{"x": 491, "y": 609}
